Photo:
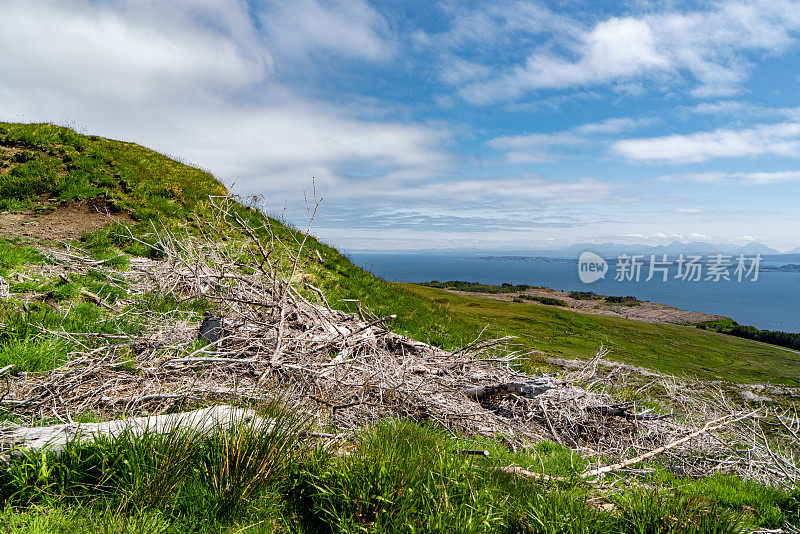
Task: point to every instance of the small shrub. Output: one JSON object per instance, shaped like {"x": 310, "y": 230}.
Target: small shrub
{"x": 625, "y": 301}
{"x": 584, "y": 295}
{"x": 549, "y": 301}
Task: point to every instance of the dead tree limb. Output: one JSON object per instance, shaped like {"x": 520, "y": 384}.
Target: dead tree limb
{"x": 524, "y": 389}
{"x": 55, "y": 437}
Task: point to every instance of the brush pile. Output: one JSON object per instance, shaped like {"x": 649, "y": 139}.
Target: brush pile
{"x": 276, "y": 337}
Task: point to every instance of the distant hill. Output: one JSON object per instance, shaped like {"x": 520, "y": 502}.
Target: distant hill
{"x": 610, "y": 250}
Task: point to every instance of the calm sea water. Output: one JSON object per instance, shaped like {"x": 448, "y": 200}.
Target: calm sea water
{"x": 772, "y": 302}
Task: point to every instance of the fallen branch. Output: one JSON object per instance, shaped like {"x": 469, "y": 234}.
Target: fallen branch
{"x": 97, "y": 300}
{"x": 525, "y": 389}
{"x": 711, "y": 425}
{"x": 55, "y": 437}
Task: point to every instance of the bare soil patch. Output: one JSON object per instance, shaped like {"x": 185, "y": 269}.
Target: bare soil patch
{"x": 62, "y": 224}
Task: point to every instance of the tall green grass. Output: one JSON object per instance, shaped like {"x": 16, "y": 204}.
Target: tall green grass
{"x": 400, "y": 477}
{"x": 215, "y": 478}
{"x": 13, "y": 253}
{"x": 34, "y": 355}
{"x": 407, "y": 478}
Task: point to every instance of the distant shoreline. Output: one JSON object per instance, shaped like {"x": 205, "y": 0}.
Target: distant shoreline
{"x": 787, "y": 268}
{"x": 645, "y": 311}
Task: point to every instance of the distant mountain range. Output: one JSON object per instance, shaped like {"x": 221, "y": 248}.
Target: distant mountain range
{"x": 612, "y": 250}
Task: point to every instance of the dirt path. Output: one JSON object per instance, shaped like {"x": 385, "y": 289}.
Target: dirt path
{"x": 62, "y": 224}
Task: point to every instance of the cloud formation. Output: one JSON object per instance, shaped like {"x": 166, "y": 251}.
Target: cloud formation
{"x": 741, "y": 178}
{"x": 383, "y": 105}
{"x": 710, "y": 47}
{"x": 545, "y": 147}
{"x": 350, "y": 28}
{"x": 782, "y": 139}
{"x": 129, "y": 51}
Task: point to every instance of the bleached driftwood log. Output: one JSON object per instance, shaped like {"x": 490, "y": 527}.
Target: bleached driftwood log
{"x": 55, "y": 437}
{"x": 524, "y": 389}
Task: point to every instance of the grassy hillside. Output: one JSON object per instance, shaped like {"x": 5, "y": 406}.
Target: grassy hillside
{"x": 44, "y": 168}
{"x": 670, "y": 348}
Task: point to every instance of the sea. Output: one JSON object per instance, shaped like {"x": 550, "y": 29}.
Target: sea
{"x": 772, "y": 302}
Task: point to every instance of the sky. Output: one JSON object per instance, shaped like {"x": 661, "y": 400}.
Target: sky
{"x": 450, "y": 125}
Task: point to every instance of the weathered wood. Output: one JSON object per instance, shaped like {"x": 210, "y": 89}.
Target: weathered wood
{"x": 55, "y": 437}
{"x": 398, "y": 343}
{"x": 618, "y": 410}
{"x": 709, "y": 426}
{"x": 525, "y": 389}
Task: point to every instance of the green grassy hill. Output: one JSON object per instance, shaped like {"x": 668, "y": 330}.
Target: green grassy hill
{"x": 44, "y": 168}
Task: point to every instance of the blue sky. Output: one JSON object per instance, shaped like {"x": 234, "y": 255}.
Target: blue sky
{"x": 483, "y": 126}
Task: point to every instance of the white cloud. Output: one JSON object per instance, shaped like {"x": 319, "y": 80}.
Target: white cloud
{"x": 662, "y": 238}
{"x": 782, "y": 139}
{"x": 127, "y": 51}
{"x": 612, "y": 126}
{"x": 351, "y": 28}
{"x": 535, "y": 148}
{"x": 741, "y": 110}
{"x": 458, "y": 71}
{"x": 498, "y": 22}
{"x": 690, "y": 210}
{"x": 615, "y": 48}
{"x": 267, "y": 145}
{"x": 506, "y": 191}
{"x": 742, "y": 178}
{"x": 711, "y": 46}
{"x": 544, "y": 147}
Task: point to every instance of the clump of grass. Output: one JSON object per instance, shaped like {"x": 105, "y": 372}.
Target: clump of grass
{"x": 46, "y": 519}
{"x": 242, "y": 461}
{"x": 14, "y": 253}
{"x": 769, "y": 506}
{"x": 557, "y": 511}
{"x": 30, "y": 179}
{"x": 34, "y": 356}
{"x": 403, "y": 478}
{"x": 659, "y": 513}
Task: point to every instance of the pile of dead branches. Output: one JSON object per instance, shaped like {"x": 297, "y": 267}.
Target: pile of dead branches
{"x": 273, "y": 335}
